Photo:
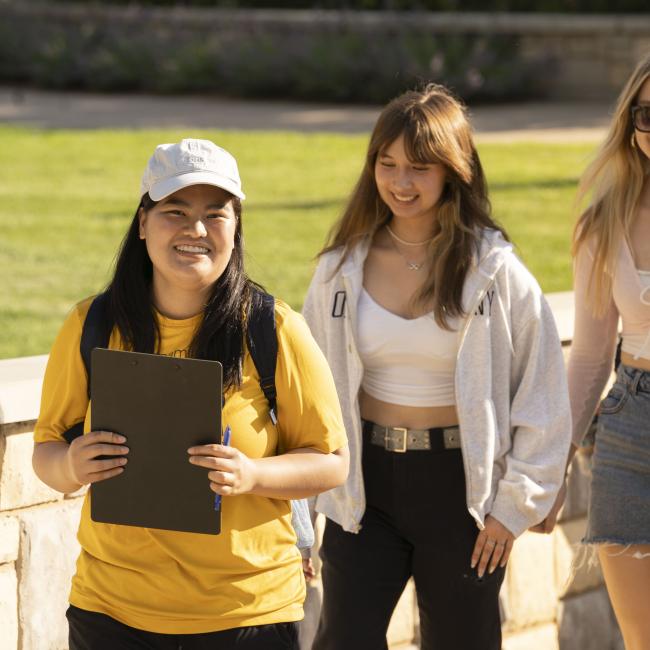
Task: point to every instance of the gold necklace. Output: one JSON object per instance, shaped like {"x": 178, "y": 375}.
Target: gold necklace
{"x": 403, "y": 241}
{"x": 410, "y": 265}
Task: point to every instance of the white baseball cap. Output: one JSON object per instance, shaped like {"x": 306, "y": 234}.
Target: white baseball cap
{"x": 189, "y": 162}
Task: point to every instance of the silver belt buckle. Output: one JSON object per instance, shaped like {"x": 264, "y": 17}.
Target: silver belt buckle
{"x": 451, "y": 440}
{"x": 403, "y": 431}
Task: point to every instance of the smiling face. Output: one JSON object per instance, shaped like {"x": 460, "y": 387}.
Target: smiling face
{"x": 410, "y": 189}
{"x": 190, "y": 236}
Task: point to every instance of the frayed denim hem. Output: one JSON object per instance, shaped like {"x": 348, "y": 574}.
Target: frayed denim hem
{"x": 586, "y": 554}
{"x": 598, "y": 541}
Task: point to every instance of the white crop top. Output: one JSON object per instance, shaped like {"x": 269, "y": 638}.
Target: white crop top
{"x": 410, "y": 362}
{"x": 637, "y": 344}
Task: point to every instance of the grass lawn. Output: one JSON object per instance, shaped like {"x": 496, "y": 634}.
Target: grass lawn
{"x": 67, "y": 197}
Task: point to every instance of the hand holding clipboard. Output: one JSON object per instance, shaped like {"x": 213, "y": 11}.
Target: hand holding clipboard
{"x": 231, "y": 471}
{"x": 97, "y": 456}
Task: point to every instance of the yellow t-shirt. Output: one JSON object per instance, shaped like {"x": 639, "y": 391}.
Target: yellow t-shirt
{"x": 184, "y": 583}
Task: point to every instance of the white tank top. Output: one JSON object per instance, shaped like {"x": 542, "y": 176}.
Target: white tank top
{"x": 410, "y": 362}
{"x": 638, "y": 345}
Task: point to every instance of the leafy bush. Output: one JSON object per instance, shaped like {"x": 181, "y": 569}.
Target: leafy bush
{"x": 139, "y": 50}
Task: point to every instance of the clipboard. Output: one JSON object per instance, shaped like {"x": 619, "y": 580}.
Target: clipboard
{"x": 162, "y": 405}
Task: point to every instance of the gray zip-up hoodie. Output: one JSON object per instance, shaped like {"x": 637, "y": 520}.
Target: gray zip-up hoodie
{"x": 511, "y": 391}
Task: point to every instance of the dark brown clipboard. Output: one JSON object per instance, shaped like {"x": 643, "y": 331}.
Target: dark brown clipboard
{"x": 163, "y": 405}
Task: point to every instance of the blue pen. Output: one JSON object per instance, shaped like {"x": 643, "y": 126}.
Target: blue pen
{"x": 225, "y": 440}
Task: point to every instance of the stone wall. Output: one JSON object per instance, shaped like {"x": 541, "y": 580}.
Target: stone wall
{"x": 544, "y": 606}
{"x": 38, "y": 545}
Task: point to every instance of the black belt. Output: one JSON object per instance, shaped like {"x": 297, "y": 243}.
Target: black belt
{"x": 400, "y": 439}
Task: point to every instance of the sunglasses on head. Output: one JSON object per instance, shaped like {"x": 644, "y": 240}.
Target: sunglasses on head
{"x": 641, "y": 118}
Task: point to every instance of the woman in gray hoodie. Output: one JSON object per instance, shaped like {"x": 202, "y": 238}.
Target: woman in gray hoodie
{"x": 451, "y": 378}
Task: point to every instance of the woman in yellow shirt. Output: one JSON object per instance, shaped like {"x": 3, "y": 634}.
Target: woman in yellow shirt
{"x": 179, "y": 288}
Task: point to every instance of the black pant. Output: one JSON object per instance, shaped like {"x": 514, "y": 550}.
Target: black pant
{"x": 94, "y": 631}
{"x": 416, "y": 524}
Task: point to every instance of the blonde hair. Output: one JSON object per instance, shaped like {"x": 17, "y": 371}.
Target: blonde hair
{"x": 435, "y": 130}
{"x": 614, "y": 181}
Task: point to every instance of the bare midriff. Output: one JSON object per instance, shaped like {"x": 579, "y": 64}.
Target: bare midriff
{"x": 410, "y": 417}
{"x": 641, "y": 363}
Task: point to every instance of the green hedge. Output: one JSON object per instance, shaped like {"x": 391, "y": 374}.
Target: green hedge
{"x": 560, "y": 6}
{"x": 139, "y": 50}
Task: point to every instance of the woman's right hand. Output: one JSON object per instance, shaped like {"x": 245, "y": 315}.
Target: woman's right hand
{"x": 82, "y": 462}
{"x": 493, "y": 546}
{"x": 308, "y": 569}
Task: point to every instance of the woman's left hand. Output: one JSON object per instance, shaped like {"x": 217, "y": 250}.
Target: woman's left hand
{"x": 493, "y": 546}
{"x": 231, "y": 471}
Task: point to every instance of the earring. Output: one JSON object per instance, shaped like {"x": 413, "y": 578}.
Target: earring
{"x": 633, "y": 141}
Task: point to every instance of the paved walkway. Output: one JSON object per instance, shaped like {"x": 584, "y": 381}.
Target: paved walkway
{"x": 560, "y": 122}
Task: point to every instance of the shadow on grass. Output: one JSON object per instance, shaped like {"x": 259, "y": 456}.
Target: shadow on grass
{"x": 297, "y": 205}
{"x": 333, "y": 203}
{"x": 118, "y": 217}
{"x": 535, "y": 185}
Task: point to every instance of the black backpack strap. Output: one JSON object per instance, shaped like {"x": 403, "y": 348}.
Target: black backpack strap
{"x": 262, "y": 339}
{"x": 262, "y": 342}
{"x": 95, "y": 333}
{"x": 74, "y": 432}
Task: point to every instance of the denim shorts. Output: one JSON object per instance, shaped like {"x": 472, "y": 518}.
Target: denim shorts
{"x": 619, "y": 506}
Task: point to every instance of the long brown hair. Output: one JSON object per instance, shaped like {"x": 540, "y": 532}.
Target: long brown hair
{"x": 614, "y": 181}
{"x": 436, "y": 130}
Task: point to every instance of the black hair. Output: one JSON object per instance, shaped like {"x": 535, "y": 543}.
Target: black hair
{"x": 221, "y": 334}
